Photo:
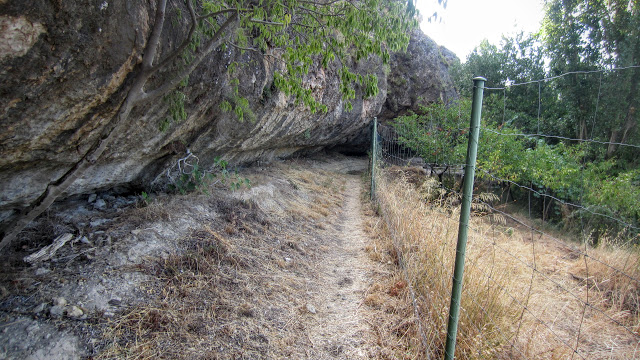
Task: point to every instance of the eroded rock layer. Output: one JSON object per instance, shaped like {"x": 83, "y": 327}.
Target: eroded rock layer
{"x": 65, "y": 67}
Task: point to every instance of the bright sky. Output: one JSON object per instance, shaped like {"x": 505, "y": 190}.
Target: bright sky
{"x": 465, "y": 23}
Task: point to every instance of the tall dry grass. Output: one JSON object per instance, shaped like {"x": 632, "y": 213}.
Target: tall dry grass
{"x": 524, "y": 295}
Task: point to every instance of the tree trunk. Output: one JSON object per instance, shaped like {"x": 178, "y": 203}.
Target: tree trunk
{"x": 56, "y": 188}
{"x": 583, "y": 130}
{"x": 508, "y": 191}
{"x": 611, "y": 149}
{"x": 628, "y": 128}
{"x": 545, "y": 214}
{"x": 630, "y": 124}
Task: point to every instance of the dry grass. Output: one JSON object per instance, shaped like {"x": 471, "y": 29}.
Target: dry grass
{"x": 325, "y": 193}
{"x": 230, "y": 292}
{"x": 200, "y": 306}
{"x": 524, "y": 295}
{"x": 389, "y": 296}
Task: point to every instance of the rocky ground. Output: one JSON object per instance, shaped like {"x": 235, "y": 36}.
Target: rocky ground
{"x": 286, "y": 269}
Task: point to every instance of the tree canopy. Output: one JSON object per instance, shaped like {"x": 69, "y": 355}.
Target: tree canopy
{"x": 299, "y": 32}
{"x": 560, "y": 116}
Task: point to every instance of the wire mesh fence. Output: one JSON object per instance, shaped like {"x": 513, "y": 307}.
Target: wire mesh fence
{"x": 537, "y": 286}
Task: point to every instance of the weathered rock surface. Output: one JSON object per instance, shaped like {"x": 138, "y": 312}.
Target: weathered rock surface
{"x": 417, "y": 76}
{"x": 34, "y": 340}
{"x": 65, "y": 67}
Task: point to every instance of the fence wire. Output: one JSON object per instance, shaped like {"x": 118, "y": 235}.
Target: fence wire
{"x": 587, "y": 302}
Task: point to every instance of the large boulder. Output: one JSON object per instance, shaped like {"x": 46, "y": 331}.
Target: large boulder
{"x": 419, "y": 76}
{"x": 66, "y": 66}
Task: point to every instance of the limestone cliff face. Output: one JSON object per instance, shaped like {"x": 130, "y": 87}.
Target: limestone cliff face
{"x": 65, "y": 67}
{"x": 417, "y": 76}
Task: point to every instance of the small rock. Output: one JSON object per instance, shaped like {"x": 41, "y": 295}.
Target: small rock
{"x": 100, "y": 204}
{"x": 56, "y": 311}
{"x": 74, "y": 312}
{"x": 108, "y": 314}
{"x": 115, "y": 301}
{"x": 136, "y": 232}
{"x": 34, "y": 327}
{"x": 60, "y": 301}
{"x": 96, "y": 223}
{"x": 40, "y": 308}
{"x": 311, "y": 309}
{"x": 85, "y": 240}
{"x": 92, "y": 198}
{"x": 42, "y": 271}
{"x": 288, "y": 259}
{"x": 120, "y": 202}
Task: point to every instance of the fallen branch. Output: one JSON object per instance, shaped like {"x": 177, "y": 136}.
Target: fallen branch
{"x": 47, "y": 252}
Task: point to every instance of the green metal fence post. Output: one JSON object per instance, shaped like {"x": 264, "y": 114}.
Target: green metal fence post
{"x": 469, "y": 173}
{"x": 374, "y": 151}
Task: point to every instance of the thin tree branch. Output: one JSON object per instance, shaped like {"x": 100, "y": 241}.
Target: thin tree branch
{"x": 185, "y": 43}
{"x": 302, "y": 25}
{"x": 249, "y": 49}
{"x": 338, "y": 14}
{"x": 228, "y": 26}
{"x": 320, "y": 23}
{"x": 354, "y": 5}
{"x": 154, "y": 41}
{"x": 206, "y": 16}
{"x": 319, "y": 3}
{"x": 265, "y": 22}
{"x": 242, "y": 48}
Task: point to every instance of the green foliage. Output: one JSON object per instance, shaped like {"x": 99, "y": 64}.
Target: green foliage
{"x": 579, "y": 46}
{"x": 559, "y": 170}
{"x": 193, "y": 180}
{"x": 299, "y": 36}
{"x": 574, "y": 38}
{"x": 436, "y": 132}
{"x": 192, "y": 177}
{"x": 240, "y": 107}
{"x": 176, "y": 101}
{"x": 177, "y": 112}
{"x": 601, "y": 35}
{"x": 517, "y": 60}
{"x": 238, "y": 182}
{"x": 144, "y": 199}
{"x": 329, "y": 32}
{"x": 621, "y": 193}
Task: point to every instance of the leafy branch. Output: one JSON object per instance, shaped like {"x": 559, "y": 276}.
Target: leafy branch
{"x": 186, "y": 175}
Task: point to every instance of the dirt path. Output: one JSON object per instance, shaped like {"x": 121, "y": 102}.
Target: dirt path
{"x": 278, "y": 271}
{"x": 339, "y": 328}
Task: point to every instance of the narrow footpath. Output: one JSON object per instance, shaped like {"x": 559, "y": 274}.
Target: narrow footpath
{"x": 339, "y": 328}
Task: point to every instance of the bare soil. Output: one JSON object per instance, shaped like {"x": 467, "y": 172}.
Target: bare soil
{"x": 339, "y": 327}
